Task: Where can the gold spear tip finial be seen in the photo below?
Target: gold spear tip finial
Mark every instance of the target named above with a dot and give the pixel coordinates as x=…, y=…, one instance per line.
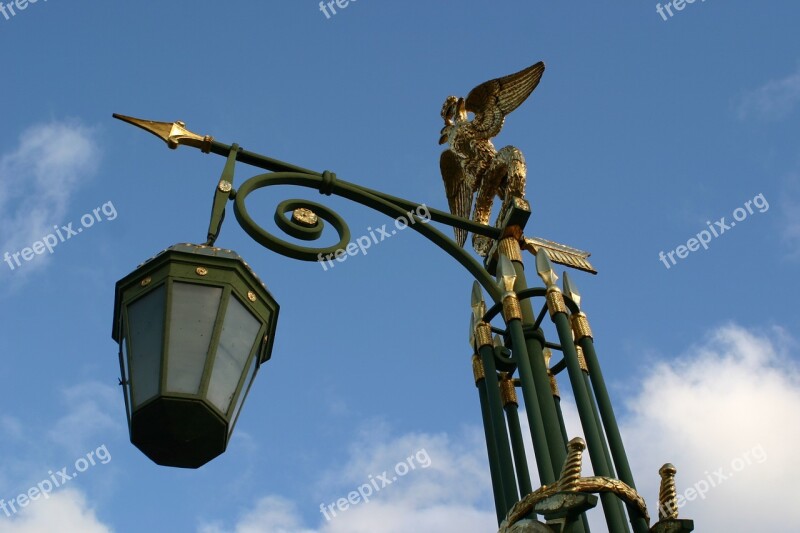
x=545, y=269
x=477, y=302
x=506, y=275
x=172, y=133
x=570, y=289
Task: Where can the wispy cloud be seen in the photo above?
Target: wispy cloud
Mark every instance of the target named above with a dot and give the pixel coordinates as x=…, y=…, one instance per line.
x=701, y=411
x=38, y=179
x=66, y=512
x=775, y=100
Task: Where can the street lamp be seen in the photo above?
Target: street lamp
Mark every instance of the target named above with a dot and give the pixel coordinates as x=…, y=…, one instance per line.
x=194, y=324
x=190, y=424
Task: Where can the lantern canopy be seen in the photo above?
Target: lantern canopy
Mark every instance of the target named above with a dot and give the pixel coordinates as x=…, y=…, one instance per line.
x=194, y=324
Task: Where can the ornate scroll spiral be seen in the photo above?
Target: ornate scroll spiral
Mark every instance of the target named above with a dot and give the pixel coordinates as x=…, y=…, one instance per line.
x=287, y=224
x=327, y=184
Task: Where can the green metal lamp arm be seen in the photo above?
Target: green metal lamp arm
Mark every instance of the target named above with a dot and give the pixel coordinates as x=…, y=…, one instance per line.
x=282, y=173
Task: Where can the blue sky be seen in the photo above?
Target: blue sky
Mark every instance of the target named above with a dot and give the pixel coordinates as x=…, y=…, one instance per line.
x=640, y=132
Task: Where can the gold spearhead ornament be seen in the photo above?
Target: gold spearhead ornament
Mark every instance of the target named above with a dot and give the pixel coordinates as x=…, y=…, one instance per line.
x=172, y=133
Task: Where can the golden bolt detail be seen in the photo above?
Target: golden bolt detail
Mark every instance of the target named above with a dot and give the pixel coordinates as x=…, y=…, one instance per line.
x=251, y=296
x=146, y=281
x=201, y=271
x=304, y=217
x=225, y=186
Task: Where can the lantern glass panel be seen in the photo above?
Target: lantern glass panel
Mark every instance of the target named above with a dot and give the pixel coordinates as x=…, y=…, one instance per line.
x=146, y=330
x=126, y=376
x=245, y=390
x=239, y=334
x=194, y=311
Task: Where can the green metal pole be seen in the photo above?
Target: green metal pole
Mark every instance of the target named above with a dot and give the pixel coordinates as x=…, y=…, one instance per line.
x=612, y=508
x=610, y=422
x=544, y=462
x=491, y=446
x=557, y=446
x=483, y=339
x=511, y=404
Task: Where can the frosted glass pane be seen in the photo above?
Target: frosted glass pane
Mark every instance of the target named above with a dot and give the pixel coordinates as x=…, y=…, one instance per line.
x=146, y=328
x=126, y=376
x=239, y=332
x=194, y=311
x=245, y=390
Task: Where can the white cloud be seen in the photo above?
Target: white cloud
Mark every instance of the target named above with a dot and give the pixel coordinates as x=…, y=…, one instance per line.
x=728, y=403
x=719, y=406
x=38, y=179
x=65, y=512
x=93, y=412
x=774, y=100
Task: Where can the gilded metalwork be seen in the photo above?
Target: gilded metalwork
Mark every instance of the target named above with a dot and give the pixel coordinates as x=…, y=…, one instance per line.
x=511, y=308
x=508, y=391
x=667, y=493
x=571, y=471
x=560, y=253
x=509, y=247
x=471, y=166
x=581, y=359
x=571, y=481
x=172, y=133
x=146, y=281
x=305, y=217
x=477, y=369
x=251, y=296
x=570, y=290
x=225, y=186
x=483, y=335
x=555, y=301
x=548, y=355
x=580, y=326
x=201, y=271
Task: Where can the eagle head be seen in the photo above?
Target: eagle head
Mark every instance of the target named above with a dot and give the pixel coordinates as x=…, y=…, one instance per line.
x=453, y=113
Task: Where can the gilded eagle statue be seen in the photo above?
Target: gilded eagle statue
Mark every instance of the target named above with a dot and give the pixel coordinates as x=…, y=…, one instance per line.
x=471, y=166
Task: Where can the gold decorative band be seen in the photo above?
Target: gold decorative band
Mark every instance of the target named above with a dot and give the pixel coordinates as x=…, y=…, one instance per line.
x=580, y=326
x=508, y=392
x=555, y=302
x=582, y=359
x=477, y=369
x=511, y=308
x=554, y=385
x=509, y=247
x=483, y=335
x=205, y=147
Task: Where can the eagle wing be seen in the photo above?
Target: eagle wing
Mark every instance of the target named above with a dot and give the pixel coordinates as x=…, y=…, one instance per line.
x=494, y=100
x=459, y=193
